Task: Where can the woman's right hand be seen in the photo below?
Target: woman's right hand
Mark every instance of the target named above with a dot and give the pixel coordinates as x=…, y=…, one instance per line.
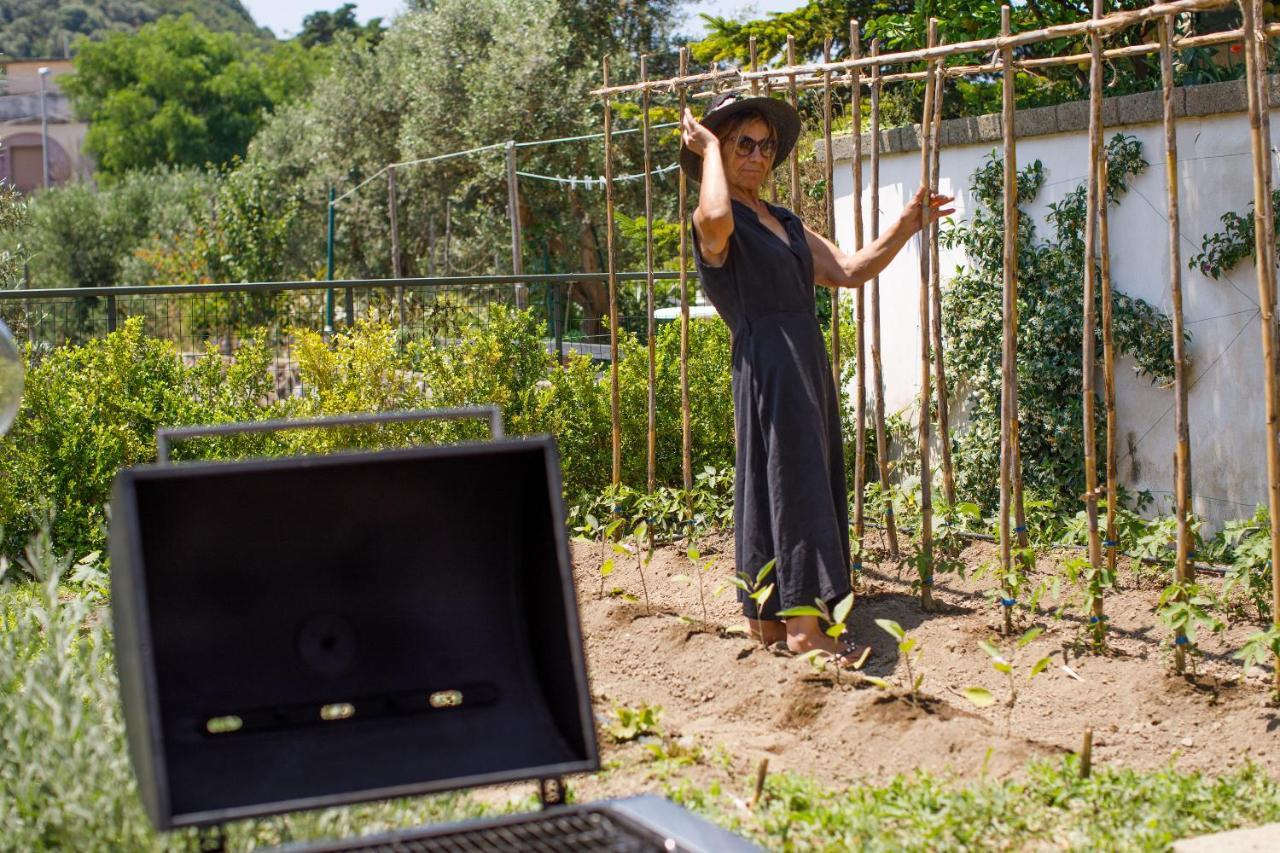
x=695, y=136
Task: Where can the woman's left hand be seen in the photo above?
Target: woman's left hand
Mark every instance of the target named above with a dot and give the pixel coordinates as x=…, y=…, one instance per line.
x=937, y=207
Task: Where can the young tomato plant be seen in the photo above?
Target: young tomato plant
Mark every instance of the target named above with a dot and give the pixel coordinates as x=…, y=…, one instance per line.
x=1256, y=651
x=1093, y=582
x=1006, y=663
x=1184, y=609
x=910, y=651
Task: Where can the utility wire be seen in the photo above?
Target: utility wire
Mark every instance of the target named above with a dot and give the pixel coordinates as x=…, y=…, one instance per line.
x=498, y=145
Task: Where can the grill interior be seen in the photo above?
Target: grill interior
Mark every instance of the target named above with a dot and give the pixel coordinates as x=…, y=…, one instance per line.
x=587, y=831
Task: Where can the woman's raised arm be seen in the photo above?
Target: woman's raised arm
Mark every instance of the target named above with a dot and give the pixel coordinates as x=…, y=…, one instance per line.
x=713, y=217
x=833, y=268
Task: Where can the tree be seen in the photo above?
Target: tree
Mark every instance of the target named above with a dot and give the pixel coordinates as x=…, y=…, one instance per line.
x=172, y=94
x=459, y=75
x=321, y=28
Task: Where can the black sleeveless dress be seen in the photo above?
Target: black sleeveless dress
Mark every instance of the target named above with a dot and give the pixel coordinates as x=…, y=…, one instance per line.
x=790, y=499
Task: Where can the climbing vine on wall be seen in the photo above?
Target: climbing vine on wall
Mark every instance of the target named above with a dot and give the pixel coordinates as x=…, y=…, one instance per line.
x=1050, y=294
x=1223, y=250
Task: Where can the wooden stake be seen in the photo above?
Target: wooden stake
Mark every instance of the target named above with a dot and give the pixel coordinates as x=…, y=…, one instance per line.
x=762, y=770
x=1007, y=364
x=935, y=293
x=831, y=214
x=882, y=441
x=615, y=411
x=1265, y=248
x=651, y=324
x=1182, y=467
x=795, y=105
x=926, y=391
x=1086, y=754
x=860, y=362
x=686, y=428
x=1088, y=337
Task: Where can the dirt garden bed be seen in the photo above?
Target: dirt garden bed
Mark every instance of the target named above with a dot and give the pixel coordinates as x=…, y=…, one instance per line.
x=734, y=702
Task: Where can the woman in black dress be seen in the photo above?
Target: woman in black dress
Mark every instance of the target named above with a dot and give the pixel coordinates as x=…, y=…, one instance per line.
x=758, y=264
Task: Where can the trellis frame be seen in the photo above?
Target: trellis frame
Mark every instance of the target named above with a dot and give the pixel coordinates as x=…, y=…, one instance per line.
x=1253, y=33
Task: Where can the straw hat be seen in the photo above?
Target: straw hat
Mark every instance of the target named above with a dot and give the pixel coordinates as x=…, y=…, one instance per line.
x=726, y=105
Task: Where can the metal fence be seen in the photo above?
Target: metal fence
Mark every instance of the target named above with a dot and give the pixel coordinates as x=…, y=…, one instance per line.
x=193, y=316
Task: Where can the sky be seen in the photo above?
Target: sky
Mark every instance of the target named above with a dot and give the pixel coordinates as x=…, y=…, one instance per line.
x=284, y=17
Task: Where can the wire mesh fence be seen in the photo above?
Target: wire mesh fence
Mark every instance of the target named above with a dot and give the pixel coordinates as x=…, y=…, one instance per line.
x=197, y=317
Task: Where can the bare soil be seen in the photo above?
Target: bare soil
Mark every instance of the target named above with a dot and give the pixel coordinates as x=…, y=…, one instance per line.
x=739, y=702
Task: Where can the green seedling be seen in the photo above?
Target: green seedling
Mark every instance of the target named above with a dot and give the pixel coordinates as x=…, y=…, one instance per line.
x=593, y=530
x=1006, y=663
x=641, y=544
x=1184, y=608
x=910, y=651
x=694, y=555
x=756, y=588
x=630, y=723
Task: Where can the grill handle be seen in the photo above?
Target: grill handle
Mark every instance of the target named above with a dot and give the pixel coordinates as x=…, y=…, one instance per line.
x=169, y=434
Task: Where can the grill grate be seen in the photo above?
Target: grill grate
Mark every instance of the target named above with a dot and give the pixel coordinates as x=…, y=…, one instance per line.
x=587, y=832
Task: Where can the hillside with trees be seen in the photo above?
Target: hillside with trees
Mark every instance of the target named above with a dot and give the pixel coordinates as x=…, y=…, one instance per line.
x=49, y=28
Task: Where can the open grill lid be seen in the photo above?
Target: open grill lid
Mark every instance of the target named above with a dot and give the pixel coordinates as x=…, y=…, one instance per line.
x=307, y=632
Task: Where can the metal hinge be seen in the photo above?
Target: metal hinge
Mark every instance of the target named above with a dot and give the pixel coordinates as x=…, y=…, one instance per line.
x=551, y=792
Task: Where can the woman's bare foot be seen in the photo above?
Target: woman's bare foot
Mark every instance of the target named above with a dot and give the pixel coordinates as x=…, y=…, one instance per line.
x=804, y=634
x=767, y=631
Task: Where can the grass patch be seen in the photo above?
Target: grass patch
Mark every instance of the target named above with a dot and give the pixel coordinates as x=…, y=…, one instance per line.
x=1050, y=808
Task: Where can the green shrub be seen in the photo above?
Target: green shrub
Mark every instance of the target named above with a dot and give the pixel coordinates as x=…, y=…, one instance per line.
x=91, y=410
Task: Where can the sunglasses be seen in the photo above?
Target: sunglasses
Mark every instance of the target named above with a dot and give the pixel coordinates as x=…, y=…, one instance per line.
x=746, y=146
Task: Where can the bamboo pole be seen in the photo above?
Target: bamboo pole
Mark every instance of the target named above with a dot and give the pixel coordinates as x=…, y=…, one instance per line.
x=1088, y=345
x=860, y=309
x=394, y=217
x=751, y=53
x=926, y=391
x=1115, y=21
x=1269, y=239
x=877, y=368
x=773, y=175
x=686, y=427
x=650, y=322
x=1008, y=366
x=795, y=105
x=1110, y=546
x=615, y=410
x=1182, y=466
x=1265, y=248
x=831, y=213
x=935, y=296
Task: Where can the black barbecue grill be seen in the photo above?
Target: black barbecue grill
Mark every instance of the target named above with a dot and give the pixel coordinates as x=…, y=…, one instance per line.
x=314, y=631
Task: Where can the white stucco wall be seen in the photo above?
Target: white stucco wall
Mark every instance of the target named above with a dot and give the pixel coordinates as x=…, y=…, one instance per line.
x=1225, y=397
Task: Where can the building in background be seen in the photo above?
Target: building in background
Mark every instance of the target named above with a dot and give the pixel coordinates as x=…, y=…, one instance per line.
x=21, y=149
